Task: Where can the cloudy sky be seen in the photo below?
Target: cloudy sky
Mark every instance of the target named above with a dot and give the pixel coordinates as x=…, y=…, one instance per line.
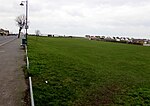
x=79, y=17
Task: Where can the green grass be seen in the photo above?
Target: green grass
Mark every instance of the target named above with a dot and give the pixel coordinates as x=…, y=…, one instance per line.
x=88, y=73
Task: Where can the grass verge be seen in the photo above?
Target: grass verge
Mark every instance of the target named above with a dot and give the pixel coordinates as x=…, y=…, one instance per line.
x=80, y=72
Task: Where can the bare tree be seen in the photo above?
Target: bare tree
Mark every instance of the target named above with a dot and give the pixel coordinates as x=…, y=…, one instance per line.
x=37, y=32
x=20, y=20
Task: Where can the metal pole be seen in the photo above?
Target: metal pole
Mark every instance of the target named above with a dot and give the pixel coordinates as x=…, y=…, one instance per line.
x=26, y=27
x=31, y=92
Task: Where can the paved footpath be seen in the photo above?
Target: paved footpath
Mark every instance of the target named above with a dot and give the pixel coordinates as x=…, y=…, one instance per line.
x=12, y=80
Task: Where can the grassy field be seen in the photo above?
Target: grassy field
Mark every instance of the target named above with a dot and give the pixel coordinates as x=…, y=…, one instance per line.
x=80, y=72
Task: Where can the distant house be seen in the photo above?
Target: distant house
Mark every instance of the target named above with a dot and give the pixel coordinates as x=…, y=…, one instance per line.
x=118, y=40
x=49, y=35
x=102, y=37
x=4, y=32
x=87, y=36
x=138, y=41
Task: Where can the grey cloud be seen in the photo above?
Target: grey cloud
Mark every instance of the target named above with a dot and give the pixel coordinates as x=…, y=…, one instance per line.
x=81, y=16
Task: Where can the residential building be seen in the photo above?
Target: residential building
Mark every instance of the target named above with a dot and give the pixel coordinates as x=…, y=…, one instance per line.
x=4, y=32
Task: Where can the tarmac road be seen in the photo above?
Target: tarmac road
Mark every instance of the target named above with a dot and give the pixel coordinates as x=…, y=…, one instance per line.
x=4, y=39
x=12, y=80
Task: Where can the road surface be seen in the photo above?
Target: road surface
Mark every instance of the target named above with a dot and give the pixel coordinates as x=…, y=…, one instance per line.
x=12, y=80
x=4, y=39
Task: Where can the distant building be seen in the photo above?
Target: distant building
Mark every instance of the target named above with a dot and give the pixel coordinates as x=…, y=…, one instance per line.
x=87, y=36
x=139, y=41
x=49, y=35
x=4, y=32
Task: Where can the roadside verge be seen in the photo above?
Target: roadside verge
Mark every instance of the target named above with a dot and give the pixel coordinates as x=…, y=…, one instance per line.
x=30, y=80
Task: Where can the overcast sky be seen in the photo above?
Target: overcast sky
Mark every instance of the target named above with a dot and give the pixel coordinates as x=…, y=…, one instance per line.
x=79, y=17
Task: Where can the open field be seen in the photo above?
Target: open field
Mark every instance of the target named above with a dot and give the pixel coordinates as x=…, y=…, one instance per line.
x=80, y=72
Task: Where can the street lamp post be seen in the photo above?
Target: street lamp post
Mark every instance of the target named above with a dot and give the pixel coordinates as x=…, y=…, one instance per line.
x=26, y=22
